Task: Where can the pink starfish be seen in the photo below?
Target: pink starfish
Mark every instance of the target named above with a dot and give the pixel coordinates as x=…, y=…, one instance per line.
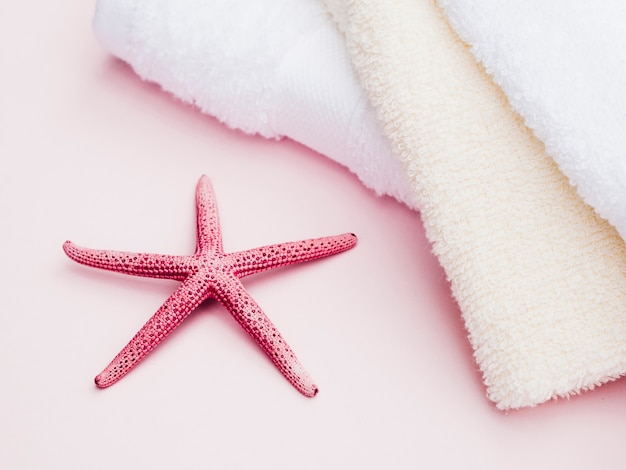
x=210, y=273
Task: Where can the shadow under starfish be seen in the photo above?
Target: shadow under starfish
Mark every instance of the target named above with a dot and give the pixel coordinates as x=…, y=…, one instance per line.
x=210, y=273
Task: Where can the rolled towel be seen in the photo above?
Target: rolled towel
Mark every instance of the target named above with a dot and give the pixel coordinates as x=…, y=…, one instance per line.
x=562, y=65
x=539, y=277
x=264, y=67
x=527, y=260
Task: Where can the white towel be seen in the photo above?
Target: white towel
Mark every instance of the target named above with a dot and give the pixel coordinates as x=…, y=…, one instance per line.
x=562, y=65
x=274, y=68
x=527, y=260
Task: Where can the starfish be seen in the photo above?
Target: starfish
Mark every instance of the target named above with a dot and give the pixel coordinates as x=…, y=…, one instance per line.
x=210, y=273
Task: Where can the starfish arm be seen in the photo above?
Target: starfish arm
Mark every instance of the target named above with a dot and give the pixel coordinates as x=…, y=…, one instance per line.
x=209, y=235
x=171, y=314
x=136, y=264
x=282, y=254
x=231, y=293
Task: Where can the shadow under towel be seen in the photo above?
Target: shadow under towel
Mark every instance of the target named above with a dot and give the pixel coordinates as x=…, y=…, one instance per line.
x=539, y=277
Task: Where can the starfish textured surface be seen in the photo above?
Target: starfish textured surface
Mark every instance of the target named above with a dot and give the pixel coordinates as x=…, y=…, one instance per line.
x=210, y=273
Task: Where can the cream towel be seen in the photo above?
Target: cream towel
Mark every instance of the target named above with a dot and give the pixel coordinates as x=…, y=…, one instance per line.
x=540, y=278
x=280, y=68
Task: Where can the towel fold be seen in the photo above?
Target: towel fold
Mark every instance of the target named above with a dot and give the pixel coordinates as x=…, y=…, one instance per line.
x=562, y=65
x=539, y=277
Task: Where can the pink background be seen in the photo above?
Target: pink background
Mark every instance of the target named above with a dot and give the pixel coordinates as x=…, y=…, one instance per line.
x=90, y=153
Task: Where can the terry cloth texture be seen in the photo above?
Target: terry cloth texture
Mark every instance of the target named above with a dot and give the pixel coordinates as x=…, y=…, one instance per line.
x=274, y=68
x=562, y=65
x=539, y=277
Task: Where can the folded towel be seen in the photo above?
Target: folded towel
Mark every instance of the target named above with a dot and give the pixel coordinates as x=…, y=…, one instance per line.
x=261, y=66
x=539, y=277
x=562, y=64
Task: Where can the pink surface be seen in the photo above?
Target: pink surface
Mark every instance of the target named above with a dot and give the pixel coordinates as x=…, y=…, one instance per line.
x=92, y=154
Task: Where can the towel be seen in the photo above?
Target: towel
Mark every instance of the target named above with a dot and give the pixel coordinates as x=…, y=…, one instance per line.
x=538, y=276
x=267, y=67
x=562, y=65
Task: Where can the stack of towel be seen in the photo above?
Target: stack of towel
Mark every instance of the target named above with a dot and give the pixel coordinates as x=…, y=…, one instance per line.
x=392, y=91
